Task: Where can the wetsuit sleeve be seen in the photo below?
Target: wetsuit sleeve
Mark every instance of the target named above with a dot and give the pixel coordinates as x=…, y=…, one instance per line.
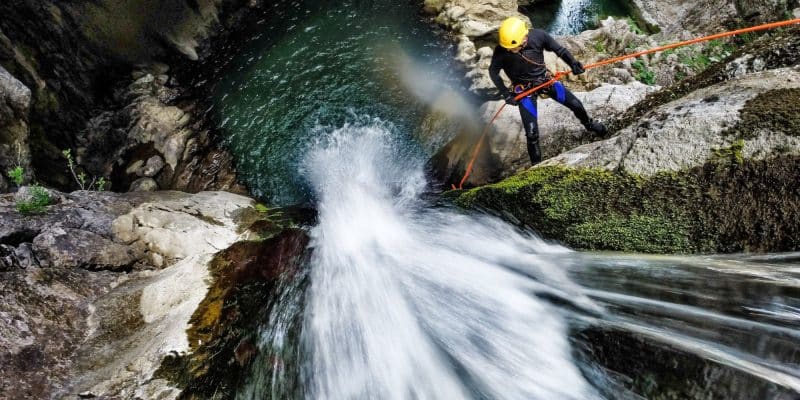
x=555, y=47
x=494, y=74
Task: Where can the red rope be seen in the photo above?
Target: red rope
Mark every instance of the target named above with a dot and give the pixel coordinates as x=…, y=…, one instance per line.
x=559, y=74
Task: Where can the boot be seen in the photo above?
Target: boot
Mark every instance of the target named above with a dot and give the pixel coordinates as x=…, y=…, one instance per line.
x=534, y=152
x=597, y=128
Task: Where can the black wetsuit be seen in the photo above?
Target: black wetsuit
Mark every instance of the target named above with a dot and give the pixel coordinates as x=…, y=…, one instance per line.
x=527, y=69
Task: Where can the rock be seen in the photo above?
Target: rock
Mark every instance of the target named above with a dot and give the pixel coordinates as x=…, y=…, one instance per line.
x=690, y=131
x=25, y=257
x=433, y=6
x=7, y=259
x=71, y=248
x=143, y=185
x=673, y=17
x=187, y=231
x=15, y=96
x=82, y=93
x=105, y=332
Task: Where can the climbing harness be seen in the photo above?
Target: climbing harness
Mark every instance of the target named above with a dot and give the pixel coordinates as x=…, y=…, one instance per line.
x=559, y=74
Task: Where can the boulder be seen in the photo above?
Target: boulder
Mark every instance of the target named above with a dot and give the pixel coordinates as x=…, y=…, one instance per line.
x=15, y=100
x=75, y=248
x=152, y=167
x=144, y=185
x=743, y=115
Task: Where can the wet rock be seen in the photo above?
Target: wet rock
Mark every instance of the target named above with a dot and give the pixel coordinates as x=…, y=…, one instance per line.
x=143, y=185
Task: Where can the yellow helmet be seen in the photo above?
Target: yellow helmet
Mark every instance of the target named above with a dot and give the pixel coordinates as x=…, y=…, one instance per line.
x=512, y=32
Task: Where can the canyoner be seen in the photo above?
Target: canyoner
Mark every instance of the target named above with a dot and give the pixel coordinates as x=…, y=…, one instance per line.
x=514, y=36
x=520, y=55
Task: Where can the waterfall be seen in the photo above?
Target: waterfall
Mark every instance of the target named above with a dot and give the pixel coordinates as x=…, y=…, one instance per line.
x=412, y=302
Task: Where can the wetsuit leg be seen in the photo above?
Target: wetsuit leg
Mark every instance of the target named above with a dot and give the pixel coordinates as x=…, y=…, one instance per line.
x=562, y=95
x=529, y=114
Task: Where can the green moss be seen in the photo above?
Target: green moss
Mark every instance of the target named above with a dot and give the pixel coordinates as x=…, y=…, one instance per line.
x=643, y=73
x=772, y=111
x=600, y=46
x=634, y=26
x=730, y=204
x=732, y=153
x=642, y=233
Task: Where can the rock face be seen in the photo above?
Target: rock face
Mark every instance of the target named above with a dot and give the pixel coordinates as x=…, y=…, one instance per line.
x=15, y=101
x=709, y=16
x=78, y=57
x=71, y=322
x=474, y=25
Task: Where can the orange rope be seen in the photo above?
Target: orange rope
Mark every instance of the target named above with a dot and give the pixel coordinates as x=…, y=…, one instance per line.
x=559, y=74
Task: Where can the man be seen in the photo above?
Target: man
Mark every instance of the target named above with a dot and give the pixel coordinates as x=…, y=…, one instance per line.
x=520, y=55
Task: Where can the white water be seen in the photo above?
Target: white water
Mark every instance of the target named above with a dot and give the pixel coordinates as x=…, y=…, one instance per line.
x=412, y=302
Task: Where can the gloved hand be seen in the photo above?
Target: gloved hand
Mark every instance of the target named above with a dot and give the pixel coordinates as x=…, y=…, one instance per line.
x=577, y=68
x=510, y=99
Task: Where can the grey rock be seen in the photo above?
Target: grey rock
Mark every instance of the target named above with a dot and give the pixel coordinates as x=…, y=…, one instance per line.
x=25, y=257
x=66, y=247
x=143, y=185
x=7, y=259
x=153, y=166
x=15, y=97
x=686, y=132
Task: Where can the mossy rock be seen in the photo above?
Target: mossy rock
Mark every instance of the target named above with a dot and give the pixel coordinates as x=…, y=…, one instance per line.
x=223, y=330
x=727, y=205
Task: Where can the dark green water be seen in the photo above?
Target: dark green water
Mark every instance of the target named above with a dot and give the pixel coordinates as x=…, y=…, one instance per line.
x=317, y=65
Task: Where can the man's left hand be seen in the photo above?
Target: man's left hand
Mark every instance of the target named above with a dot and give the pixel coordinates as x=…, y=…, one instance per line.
x=577, y=68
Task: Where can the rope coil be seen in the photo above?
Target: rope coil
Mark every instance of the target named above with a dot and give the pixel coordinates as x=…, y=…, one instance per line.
x=557, y=76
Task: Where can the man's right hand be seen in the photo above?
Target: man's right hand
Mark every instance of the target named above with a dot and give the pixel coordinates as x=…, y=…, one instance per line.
x=510, y=99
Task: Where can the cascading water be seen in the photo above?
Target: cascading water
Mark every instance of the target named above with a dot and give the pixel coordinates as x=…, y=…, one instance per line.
x=408, y=300
x=411, y=302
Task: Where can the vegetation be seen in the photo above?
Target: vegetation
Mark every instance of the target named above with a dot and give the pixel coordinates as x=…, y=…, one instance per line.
x=17, y=175
x=80, y=178
x=730, y=204
x=36, y=203
x=772, y=111
x=643, y=73
x=634, y=27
